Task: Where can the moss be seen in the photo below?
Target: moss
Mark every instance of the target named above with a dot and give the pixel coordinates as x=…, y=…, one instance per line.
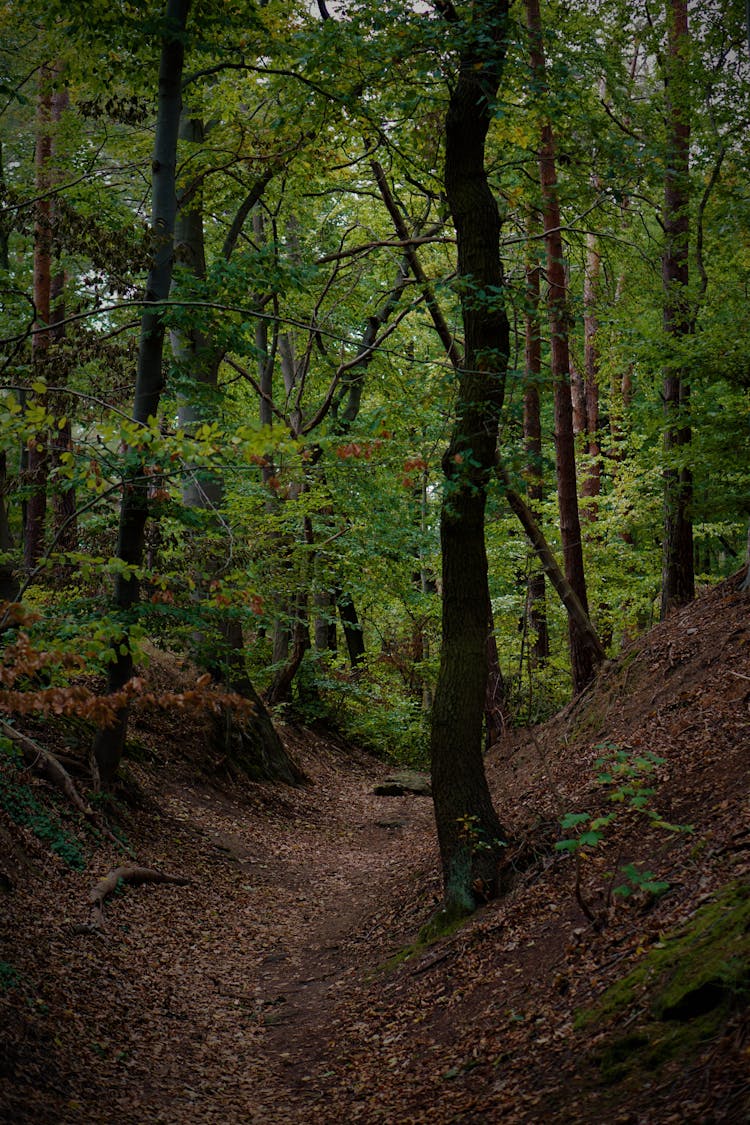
x=683, y=991
x=442, y=924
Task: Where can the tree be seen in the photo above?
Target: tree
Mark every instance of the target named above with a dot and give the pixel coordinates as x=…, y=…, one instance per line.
x=678, y=580
x=469, y=832
x=248, y=741
x=110, y=741
x=581, y=655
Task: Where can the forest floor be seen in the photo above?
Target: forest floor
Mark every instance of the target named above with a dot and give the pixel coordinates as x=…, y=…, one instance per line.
x=286, y=982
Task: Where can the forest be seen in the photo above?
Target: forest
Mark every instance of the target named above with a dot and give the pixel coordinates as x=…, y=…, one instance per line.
x=374, y=396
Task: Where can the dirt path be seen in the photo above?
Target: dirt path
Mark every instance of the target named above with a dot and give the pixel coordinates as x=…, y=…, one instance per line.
x=288, y=913
x=215, y=1002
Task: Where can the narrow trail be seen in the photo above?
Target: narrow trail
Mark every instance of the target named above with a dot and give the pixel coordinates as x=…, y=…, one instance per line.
x=309, y=900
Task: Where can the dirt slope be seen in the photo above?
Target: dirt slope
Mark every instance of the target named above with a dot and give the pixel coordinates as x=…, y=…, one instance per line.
x=262, y=991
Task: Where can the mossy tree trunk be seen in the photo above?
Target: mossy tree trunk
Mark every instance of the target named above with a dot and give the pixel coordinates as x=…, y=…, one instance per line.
x=469, y=832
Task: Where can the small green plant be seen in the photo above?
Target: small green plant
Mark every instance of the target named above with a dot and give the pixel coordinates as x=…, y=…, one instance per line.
x=22, y=807
x=627, y=778
x=475, y=837
x=9, y=977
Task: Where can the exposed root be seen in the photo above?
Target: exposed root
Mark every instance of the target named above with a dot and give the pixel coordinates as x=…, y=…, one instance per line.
x=129, y=873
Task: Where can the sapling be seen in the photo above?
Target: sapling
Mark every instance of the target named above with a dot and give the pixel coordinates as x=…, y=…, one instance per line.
x=626, y=777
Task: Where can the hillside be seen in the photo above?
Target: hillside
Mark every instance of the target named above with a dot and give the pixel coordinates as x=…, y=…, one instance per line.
x=286, y=980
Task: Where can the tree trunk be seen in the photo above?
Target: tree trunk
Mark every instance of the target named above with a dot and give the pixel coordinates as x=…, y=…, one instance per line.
x=536, y=601
x=577, y=612
x=591, y=486
x=9, y=584
x=325, y=624
x=582, y=666
x=355, y=641
x=495, y=703
x=109, y=743
x=254, y=744
x=37, y=458
x=678, y=580
x=469, y=832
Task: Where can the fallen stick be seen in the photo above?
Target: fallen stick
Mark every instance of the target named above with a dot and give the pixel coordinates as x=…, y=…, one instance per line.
x=129, y=873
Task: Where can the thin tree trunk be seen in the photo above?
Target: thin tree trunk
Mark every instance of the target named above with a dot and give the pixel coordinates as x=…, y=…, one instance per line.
x=37, y=459
x=325, y=623
x=591, y=486
x=536, y=600
x=582, y=665
x=110, y=741
x=355, y=642
x=678, y=580
x=5, y=222
x=9, y=583
x=469, y=832
x=495, y=701
x=577, y=612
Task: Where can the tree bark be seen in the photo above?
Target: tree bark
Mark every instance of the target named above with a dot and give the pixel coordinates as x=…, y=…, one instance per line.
x=355, y=641
x=582, y=665
x=678, y=580
x=37, y=456
x=591, y=486
x=536, y=600
x=577, y=612
x=469, y=833
x=109, y=742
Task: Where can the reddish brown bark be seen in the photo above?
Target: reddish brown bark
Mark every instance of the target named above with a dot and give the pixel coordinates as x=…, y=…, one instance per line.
x=536, y=602
x=591, y=485
x=678, y=581
x=582, y=664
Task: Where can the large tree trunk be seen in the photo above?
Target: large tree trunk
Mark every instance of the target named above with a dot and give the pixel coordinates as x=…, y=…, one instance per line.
x=582, y=665
x=678, y=580
x=469, y=832
x=110, y=741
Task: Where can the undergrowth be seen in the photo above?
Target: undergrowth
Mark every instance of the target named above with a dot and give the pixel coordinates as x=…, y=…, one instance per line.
x=19, y=802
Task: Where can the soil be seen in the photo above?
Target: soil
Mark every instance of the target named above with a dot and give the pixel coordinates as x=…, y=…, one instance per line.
x=287, y=981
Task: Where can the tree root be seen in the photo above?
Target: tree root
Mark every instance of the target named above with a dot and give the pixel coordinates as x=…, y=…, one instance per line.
x=129, y=873
x=45, y=762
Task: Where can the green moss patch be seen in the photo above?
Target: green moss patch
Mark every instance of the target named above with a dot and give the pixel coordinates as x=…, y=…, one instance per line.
x=681, y=994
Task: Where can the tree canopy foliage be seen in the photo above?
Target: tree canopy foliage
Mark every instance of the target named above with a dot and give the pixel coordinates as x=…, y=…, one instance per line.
x=319, y=327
